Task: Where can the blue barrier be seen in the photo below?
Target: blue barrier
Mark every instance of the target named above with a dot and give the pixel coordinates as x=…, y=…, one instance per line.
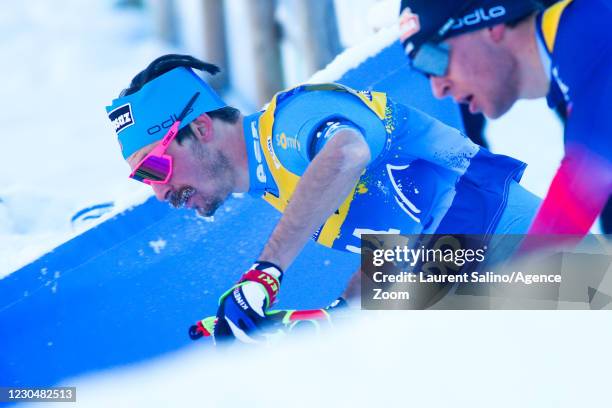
x=128, y=289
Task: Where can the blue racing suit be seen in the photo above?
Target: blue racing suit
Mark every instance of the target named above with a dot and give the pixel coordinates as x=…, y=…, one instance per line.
x=424, y=176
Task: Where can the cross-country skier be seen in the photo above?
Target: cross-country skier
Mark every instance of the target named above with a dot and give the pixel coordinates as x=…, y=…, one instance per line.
x=490, y=53
x=337, y=162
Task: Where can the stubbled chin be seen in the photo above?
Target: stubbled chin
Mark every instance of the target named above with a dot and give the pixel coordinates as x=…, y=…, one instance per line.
x=204, y=214
x=209, y=211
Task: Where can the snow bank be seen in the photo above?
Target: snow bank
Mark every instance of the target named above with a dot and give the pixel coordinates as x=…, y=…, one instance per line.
x=62, y=65
x=471, y=359
x=352, y=57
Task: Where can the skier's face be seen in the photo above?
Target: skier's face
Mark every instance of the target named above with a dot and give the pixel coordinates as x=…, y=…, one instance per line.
x=202, y=176
x=481, y=74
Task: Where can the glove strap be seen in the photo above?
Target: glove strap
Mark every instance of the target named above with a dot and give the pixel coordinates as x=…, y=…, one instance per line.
x=203, y=328
x=298, y=315
x=270, y=282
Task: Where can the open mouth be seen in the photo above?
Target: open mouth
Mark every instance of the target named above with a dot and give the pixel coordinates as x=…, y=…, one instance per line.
x=471, y=102
x=180, y=199
x=465, y=100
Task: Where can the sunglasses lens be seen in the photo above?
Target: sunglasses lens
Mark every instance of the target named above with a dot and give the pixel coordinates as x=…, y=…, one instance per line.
x=432, y=59
x=154, y=168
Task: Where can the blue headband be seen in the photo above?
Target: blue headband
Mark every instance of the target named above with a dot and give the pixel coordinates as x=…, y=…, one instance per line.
x=143, y=117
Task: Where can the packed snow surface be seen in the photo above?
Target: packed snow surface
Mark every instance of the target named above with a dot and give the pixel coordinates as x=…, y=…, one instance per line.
x=388, y=359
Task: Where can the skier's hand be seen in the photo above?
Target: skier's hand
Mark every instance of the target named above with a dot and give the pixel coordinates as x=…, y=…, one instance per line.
x=242, y=309
x=284, y=321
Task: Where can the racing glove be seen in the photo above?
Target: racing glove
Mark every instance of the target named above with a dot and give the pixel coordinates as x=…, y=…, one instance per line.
x=242, y=309
x=285, y=321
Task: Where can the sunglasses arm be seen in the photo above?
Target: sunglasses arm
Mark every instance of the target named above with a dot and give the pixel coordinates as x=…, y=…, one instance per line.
x=171, y=133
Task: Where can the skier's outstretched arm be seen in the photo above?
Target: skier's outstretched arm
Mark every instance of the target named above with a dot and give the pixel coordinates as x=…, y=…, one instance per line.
x=326, y=183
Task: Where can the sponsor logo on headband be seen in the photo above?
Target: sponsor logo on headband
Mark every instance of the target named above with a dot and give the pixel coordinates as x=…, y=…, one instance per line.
x=121, y=117
x=479, y=16
x=166, y=123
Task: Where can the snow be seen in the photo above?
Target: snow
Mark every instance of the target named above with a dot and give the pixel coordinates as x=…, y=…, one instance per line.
x=158, y=245
x=354, y=56
x=395, y=358
x=59, y=151
x=358, y=19
x=63, y=64
x=383, y=13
